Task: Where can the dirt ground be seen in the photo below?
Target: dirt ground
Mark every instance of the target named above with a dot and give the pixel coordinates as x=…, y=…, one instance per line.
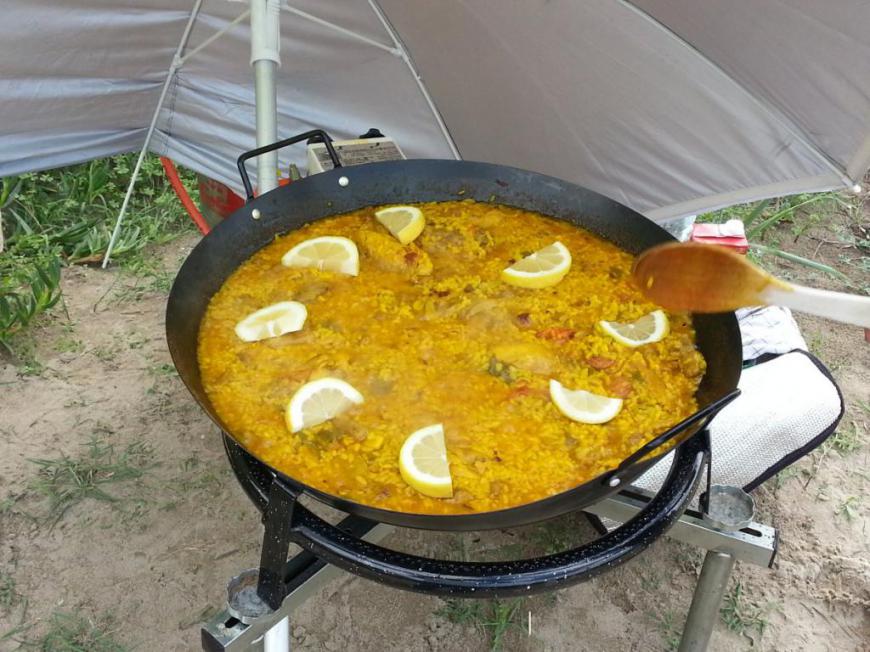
x=147, y=567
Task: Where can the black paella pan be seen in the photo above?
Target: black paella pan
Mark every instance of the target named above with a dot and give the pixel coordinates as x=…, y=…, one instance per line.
x=341, y=190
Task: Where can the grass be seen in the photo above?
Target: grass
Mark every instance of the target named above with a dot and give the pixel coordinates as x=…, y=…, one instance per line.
x=163, y=370
x=800, y=213
x=784, y=476
x=149, y=276
x=741, y=615
x=668, y=626
x=65, y=216
x=848, y=509
x=9, y=595
x=68, y=342
x=554, y=536
x=194, y=480
x=846, y=439
x=106, y=353
x=70, y=632
x=67, y=481
x=494, y=617
x=650, y=580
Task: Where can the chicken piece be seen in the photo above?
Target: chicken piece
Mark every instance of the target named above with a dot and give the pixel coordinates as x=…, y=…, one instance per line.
x=619, y=386
x=598, y=362
x=388, y=254
x=309, y=292
x=556, y=334
x=528, y=356
x=489, y=315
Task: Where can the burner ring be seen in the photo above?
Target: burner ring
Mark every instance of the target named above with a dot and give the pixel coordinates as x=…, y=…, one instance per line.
x=290, y=521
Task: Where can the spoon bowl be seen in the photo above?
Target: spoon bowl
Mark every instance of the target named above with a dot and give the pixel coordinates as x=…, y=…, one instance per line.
x=699, y=277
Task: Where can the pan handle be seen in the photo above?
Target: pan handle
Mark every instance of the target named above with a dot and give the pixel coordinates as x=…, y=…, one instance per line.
x=246, y=181
x=703, y=414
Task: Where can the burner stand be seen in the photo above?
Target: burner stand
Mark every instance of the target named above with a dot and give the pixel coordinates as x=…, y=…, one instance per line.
x=283, y=585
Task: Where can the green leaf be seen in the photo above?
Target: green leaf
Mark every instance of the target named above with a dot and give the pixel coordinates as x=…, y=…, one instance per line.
x=756, y=212
x=800, y=260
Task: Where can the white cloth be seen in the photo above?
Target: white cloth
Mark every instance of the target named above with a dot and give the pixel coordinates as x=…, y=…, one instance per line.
x=768, y=329
x=787, y=408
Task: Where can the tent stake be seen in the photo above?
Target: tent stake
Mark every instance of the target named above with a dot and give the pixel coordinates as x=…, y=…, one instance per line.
x=170, y=75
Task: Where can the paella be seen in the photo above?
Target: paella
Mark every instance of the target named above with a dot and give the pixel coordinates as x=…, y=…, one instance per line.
x=512, y=344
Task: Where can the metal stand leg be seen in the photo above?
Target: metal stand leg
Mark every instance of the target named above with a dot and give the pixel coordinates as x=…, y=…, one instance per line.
x=277, y=639
x=704, y=611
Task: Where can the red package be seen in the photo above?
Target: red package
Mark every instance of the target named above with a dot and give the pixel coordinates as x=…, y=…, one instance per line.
x=731, y=234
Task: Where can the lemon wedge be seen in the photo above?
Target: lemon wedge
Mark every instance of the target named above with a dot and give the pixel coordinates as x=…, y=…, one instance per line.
x=541, y=269
x=646, y=330
x=423, y=462
x=331, y=253
x=585, y=407
x=319, y=401
x=272, y=321
x=405, y=223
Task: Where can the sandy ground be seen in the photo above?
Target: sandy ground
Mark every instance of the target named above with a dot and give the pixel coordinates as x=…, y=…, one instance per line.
x=153, y=564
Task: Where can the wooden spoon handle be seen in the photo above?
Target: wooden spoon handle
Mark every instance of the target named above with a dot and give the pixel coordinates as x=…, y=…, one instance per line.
x=847, y=308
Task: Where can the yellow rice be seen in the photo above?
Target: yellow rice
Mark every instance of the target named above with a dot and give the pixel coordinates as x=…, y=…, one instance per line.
x=429, y=333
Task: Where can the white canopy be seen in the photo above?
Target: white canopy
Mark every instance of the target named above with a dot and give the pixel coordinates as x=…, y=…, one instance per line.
x=669, y=106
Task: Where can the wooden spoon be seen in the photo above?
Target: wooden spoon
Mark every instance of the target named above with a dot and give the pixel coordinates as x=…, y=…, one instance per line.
x=708, y=278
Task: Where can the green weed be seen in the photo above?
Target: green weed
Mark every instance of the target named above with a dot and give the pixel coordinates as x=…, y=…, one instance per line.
x=668, y=627
x=26, y=290
x=106, y=353
x=784, y=476
x=69, y=632
x=149, y=277
x=69, y=344
x=194, y=479
x=65, y=216
x=802, y=212
x=741, y=615
x=7, y=504
x=9, y=595
x=494, y=617
x=555, y=536
x=650, y=580
x=28, y=363
x=846, y=440
x=163, y=370
x=66, y=481
x=848, y=509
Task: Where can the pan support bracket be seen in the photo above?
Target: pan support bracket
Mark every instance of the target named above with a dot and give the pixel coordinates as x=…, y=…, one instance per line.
x=280, y=586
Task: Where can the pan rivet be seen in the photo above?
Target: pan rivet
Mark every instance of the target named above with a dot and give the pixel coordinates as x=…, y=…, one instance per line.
x=255, y=213
x=614, y=482
x=343, y=181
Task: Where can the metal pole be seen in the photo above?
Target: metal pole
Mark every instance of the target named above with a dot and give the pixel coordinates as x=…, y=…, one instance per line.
x=445, y=132
x=704, y=612
x=277, y=639
x=170, y=75
x=265, y=57
x=266, y=99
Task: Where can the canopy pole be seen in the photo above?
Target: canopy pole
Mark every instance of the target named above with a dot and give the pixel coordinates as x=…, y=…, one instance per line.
x=403, y=54
x=214, y=37
x=170, y=75
x=265, y=58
